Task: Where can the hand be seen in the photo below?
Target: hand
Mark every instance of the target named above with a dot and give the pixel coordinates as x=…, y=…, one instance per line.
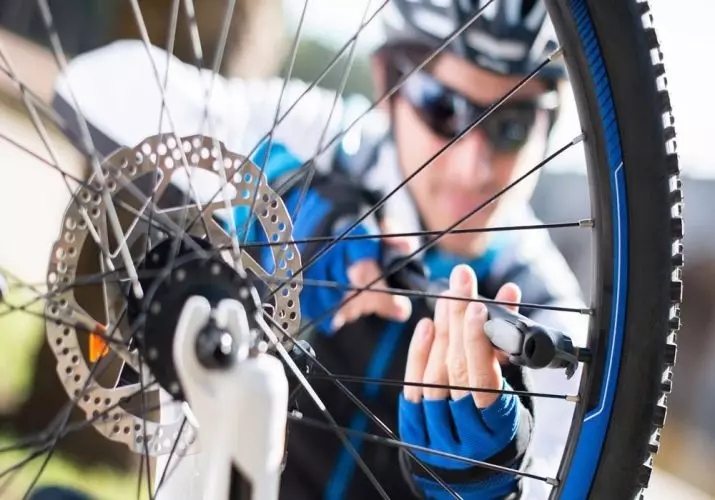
x=361, y=273
x=328, y=209
x=453, y=349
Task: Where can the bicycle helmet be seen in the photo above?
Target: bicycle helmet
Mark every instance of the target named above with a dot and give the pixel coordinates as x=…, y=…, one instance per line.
x=510, y=37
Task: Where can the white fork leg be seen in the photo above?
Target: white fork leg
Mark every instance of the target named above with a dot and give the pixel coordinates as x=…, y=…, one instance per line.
x=241, y=409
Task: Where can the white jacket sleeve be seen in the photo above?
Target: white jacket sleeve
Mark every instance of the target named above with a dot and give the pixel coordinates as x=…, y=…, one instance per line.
x=117, y=89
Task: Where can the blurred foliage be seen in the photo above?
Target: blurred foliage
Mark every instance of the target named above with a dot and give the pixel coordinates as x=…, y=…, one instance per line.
x=314, y=56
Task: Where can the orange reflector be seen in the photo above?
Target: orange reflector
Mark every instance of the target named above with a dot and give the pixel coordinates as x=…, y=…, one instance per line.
x=98, y=348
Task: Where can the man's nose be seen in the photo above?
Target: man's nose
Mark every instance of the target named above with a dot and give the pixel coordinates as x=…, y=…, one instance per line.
x=470, y=161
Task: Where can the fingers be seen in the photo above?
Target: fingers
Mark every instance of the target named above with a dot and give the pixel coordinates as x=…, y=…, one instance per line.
x=417, y=356
x=509, y=292
x=436, y=370
x=385, y=305
x=462, y=283
x=483, y=361
x=483, y=366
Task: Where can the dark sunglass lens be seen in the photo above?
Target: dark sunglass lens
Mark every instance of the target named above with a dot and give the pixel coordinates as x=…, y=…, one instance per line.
x=509, y=129
x=434, y=103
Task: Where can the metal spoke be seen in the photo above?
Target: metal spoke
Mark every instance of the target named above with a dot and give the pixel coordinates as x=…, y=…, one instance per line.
x=426, y=295
x=305, y=92
x=308, y=180
x=432, y=242
x=349, y=394
x=319, y=403
x=166, y=474
x=171, y=39
x=401, y=383
x=395, y=443
x=145, y=445
x=198, y=56
x=141, y=25
x=61, y=60
x=293, y=54
x=415, y=234
x=218, y=55
x=441, y=150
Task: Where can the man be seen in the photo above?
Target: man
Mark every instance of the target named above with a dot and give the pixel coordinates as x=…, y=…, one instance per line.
x=377, y=335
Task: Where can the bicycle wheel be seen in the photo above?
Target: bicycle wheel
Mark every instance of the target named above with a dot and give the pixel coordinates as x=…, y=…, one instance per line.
x=96, y=284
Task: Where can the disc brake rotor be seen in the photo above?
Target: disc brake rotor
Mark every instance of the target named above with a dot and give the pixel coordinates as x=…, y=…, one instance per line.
x=84, y=308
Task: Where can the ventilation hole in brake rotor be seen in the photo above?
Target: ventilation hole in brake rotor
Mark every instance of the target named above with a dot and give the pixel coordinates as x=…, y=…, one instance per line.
x=138, y=158
x=204, y=153
x=161, y=149
x=248, y=178
x=70, y=223
x=291, y=303
x=186, y=146
x=127, y=429
x=115, y=429
x=66, y=331
x=171, y=143
x=60, y=253
x=196, y=143
x=245, y=194
x=58, y=341
x=72, y=251
x=274, y=218
x=96, y=198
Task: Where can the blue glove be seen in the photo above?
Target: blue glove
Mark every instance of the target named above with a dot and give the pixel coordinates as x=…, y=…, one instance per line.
x=462, y=429
x=329, y=207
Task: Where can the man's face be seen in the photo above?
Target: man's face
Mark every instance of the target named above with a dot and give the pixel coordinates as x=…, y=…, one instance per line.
x=480, y=164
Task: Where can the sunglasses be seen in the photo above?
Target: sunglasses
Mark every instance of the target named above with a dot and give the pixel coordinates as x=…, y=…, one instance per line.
x=448, y=113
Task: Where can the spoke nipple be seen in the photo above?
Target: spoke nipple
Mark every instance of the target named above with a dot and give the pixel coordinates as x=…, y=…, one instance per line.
x=587, y=312
x=575, y=398
x=578, y=138
x=552, y=481
x=556, y=53
x=588, y=223
x=296, y=414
